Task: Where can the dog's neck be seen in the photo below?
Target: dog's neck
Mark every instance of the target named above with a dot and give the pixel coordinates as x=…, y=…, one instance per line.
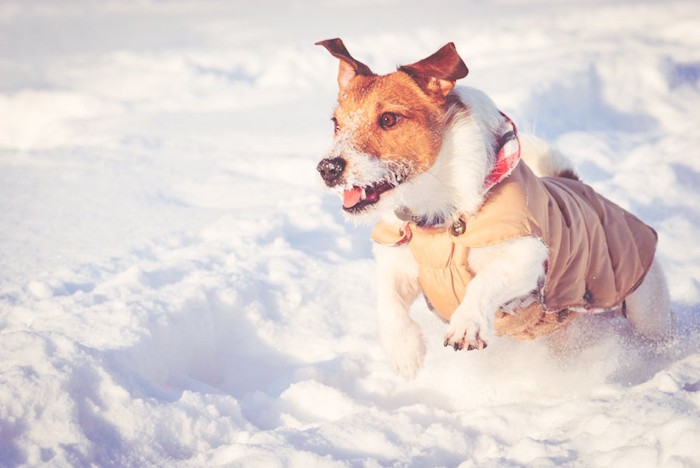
x=480, y=148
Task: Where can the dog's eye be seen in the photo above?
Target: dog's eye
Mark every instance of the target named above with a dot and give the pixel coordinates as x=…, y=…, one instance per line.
x=388, y=120
x=336, y=127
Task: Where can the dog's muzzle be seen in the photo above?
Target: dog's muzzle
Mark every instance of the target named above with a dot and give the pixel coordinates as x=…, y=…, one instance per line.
x=331, y=169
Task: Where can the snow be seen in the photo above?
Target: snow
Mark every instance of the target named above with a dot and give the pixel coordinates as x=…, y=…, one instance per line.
x=178, y=289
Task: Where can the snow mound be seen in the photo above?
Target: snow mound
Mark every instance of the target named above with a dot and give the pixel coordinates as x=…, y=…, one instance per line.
x=177, y=289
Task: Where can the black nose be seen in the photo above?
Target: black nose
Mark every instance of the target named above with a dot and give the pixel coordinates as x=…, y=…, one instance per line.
x=331, y=170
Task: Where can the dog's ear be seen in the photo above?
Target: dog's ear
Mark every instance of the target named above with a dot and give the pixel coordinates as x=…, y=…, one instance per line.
x=438, y=73
x=349, y=67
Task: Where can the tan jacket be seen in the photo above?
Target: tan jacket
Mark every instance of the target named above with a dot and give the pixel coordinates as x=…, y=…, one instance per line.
x=598, y=252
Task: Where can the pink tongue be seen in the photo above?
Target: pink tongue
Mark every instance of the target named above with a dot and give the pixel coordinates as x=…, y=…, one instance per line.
x=352, y=197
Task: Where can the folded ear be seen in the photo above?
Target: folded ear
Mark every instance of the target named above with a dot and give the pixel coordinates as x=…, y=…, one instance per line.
x=438, y=73
x=349, y=67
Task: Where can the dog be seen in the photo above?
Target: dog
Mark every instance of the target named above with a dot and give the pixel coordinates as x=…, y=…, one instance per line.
x=494, y=228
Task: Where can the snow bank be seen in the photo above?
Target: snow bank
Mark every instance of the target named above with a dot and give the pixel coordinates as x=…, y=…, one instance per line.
x=177, y=288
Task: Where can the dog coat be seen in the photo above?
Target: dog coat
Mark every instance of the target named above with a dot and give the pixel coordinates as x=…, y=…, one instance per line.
x=598, y=252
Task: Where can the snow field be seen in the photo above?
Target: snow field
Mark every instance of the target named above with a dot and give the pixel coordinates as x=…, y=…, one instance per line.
x=177, y=289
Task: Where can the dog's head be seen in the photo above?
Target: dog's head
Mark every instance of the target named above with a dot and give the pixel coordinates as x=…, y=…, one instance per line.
x=388, y=128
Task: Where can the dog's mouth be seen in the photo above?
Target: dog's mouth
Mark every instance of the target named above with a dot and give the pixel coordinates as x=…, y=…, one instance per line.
x=357, y=199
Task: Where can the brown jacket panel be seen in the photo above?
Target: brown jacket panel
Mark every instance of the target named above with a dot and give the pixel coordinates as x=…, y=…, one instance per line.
x=598, y=252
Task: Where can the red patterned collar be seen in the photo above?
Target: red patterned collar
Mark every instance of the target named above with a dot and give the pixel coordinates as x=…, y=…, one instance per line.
x=508, y=154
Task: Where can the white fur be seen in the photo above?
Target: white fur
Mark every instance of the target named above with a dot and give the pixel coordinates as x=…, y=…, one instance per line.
x=503, y=272
x=544, y=160
x=362, y=168
x=397, y=288
x=467, y=155
x=649, y=306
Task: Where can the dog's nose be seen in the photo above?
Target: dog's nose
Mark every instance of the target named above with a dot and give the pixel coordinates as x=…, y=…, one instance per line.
x=331, y=169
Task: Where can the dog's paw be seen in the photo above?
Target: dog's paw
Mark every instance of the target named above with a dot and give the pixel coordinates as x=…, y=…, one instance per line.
x=465, y=333
x=405, y=348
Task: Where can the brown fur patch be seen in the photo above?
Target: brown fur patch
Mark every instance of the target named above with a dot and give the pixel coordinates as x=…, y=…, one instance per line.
x=569, y=174
x=416, y=138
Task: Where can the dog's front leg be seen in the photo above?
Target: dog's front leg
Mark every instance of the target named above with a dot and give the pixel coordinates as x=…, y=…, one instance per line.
x=397, y=288
x=504, y=272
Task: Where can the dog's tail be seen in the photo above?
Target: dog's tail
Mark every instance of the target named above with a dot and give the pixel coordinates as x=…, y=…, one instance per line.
x=544, y=160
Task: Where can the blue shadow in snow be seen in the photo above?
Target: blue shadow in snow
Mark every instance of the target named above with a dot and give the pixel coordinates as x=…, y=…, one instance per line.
x=579, y=105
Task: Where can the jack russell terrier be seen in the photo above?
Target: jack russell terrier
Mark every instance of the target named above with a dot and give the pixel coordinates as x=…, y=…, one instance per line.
x=495, y=229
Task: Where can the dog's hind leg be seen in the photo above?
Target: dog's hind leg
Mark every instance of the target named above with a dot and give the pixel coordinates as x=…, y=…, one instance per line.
x=397, y=289
x=649, y=306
